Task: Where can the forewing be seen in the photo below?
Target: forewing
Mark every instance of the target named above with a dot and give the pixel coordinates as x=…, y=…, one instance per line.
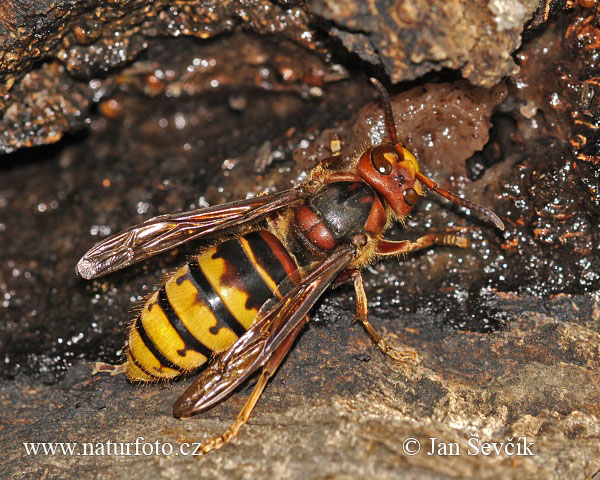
x=255, y=347
x=168, y=231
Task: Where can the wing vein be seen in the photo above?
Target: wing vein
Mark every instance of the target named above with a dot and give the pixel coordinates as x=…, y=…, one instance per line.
x=168, y=231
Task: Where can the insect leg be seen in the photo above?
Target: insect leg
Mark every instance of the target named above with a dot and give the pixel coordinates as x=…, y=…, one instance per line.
x=362, y=315
x=267, y=372
x=102, y=367
x=389, y=247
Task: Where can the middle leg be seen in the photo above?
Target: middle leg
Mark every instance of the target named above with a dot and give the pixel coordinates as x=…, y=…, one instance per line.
x=362, y=315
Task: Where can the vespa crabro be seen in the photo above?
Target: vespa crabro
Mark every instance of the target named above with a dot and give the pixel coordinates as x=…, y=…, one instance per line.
x=241, y=302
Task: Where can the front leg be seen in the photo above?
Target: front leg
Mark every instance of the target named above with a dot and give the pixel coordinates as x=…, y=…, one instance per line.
x=362, y=315
x=389, y=247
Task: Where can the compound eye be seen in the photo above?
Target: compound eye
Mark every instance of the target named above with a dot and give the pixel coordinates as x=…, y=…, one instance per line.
x=382, y=157
x=411, y=197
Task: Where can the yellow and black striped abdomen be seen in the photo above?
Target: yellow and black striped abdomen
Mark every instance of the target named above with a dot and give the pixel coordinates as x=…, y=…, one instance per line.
x=206, y=306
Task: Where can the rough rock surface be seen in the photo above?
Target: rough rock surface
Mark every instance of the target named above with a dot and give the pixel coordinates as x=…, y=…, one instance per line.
x=412, y=38
x=338, y=409
x=407, y=39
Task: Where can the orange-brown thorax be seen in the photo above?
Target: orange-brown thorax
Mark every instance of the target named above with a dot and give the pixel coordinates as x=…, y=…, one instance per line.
x=343, y=208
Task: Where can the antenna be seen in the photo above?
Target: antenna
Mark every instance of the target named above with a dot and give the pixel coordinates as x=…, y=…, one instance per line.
x=463, y=202
x=387, y=109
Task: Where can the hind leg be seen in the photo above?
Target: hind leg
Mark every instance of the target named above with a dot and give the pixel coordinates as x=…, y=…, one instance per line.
x=268, y=370
x=102, y=367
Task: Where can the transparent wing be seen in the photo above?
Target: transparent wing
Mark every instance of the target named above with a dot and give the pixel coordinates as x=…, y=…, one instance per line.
x=168, y=231
x=254, y=348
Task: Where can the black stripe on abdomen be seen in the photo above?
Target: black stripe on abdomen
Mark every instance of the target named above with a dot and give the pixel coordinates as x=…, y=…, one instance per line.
x=241, y=274
x=211, y=298
x=189, y=340
x=162, y=359
x=266, y=258
x=137, y=363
